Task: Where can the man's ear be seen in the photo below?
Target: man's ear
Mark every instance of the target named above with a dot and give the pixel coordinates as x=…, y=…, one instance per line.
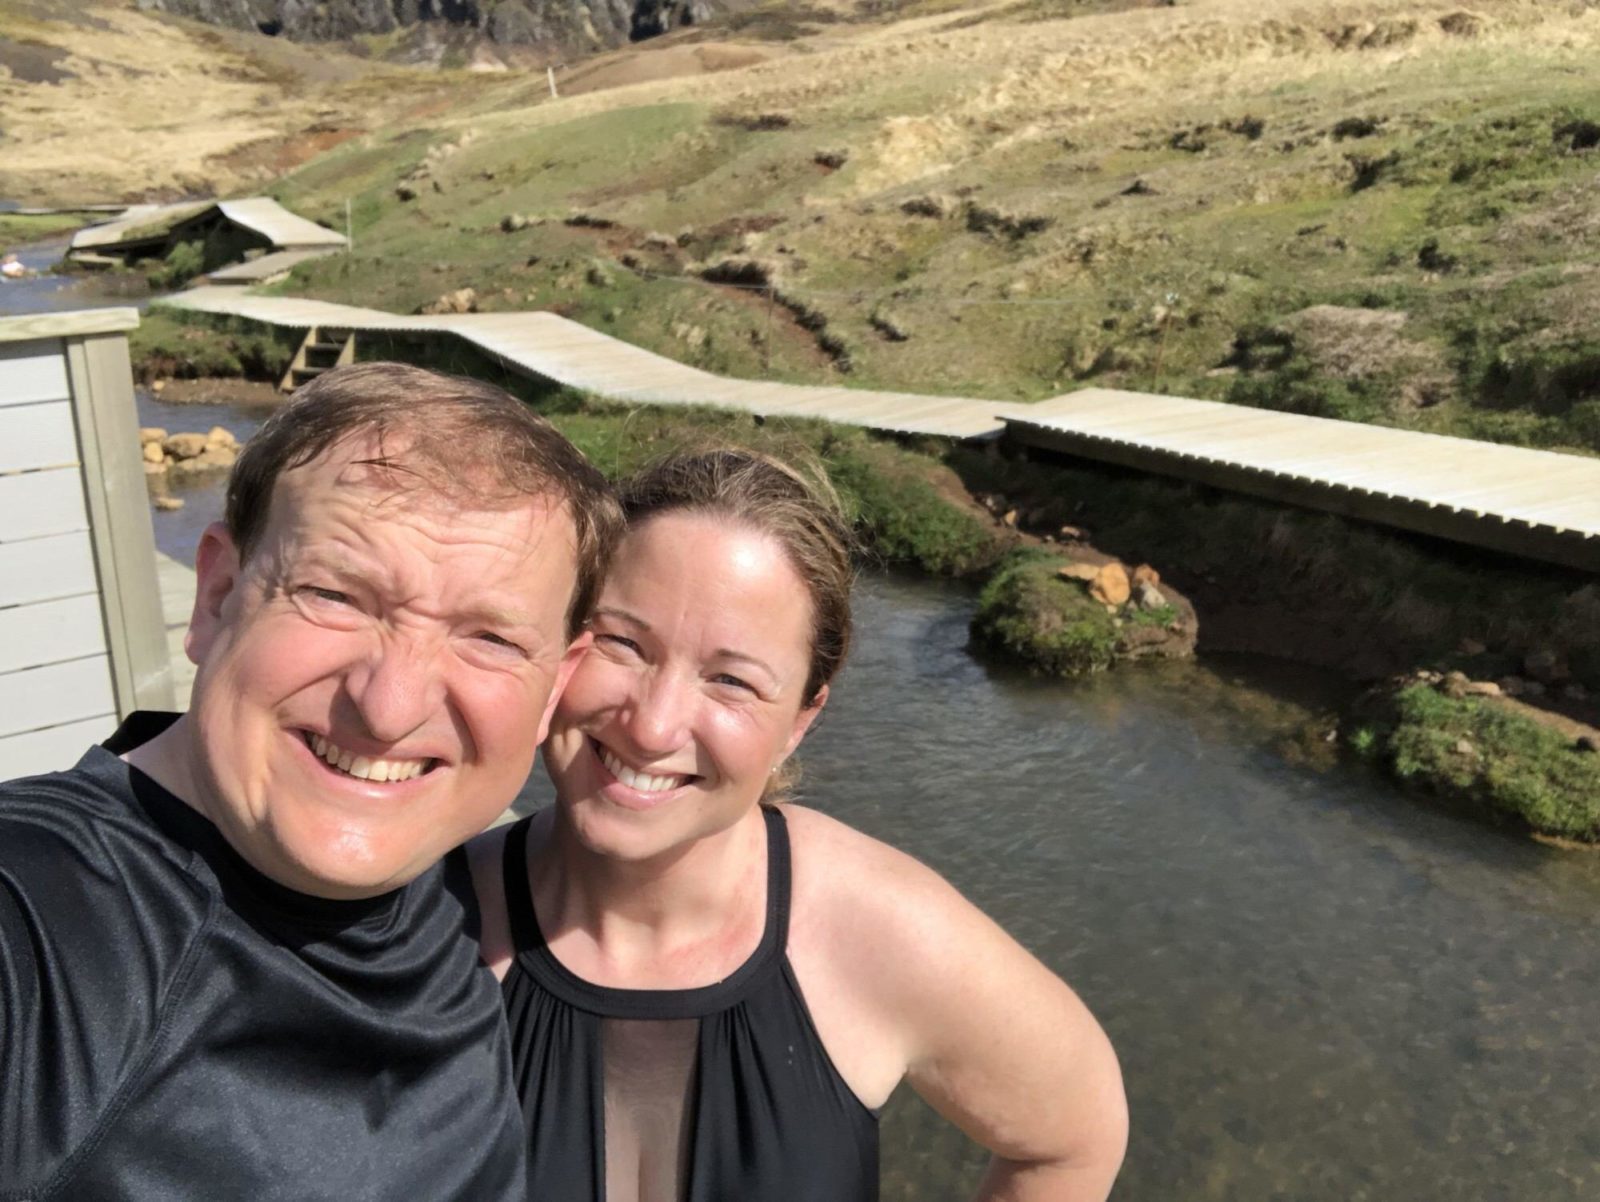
x=803, y=721
x=576, y=650
x=216, y=568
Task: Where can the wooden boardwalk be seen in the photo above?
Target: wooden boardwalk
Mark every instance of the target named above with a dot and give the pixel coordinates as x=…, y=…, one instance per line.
x=1538, y=504
x=545, y=346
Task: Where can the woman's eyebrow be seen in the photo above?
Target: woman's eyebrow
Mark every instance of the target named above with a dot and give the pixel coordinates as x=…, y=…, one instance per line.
x=745, y=658
x=632, y=619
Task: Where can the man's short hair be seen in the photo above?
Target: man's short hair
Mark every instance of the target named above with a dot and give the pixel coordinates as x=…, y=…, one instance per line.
x=462, y=439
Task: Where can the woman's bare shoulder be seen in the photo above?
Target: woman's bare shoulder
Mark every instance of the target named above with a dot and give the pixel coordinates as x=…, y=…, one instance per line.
x=871, y=895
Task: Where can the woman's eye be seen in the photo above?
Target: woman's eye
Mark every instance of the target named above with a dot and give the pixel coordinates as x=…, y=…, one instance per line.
x=327, y=594
x=617, y=641
x=733, y=681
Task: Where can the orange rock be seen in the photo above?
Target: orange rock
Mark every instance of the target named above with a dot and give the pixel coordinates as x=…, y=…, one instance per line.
x=1111, y=586
x=1085, y=572
x=1145, y=574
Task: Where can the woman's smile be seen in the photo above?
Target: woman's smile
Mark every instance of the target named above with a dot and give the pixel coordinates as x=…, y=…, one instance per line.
x=634, y=788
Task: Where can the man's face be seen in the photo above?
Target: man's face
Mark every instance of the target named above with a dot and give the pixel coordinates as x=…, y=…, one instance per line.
x=374, y=678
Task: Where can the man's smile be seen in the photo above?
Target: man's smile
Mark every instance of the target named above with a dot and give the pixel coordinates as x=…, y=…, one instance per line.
x=365, y=767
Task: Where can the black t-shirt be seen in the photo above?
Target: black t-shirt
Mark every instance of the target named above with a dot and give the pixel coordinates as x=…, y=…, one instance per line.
x=174, y=1025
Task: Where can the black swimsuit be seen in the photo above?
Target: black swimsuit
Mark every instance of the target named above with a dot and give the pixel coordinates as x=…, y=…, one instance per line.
x=722, y=1093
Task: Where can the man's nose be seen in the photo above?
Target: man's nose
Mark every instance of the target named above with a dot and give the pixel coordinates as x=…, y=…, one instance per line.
x=396, y=688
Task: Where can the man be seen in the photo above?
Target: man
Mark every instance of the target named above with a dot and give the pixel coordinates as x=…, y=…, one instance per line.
x=231, y=963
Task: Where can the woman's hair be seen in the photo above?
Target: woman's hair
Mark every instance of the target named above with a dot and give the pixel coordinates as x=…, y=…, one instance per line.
x=796, y=507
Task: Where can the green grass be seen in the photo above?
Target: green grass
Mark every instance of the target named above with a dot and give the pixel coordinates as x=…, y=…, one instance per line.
x=192, y=347
x=1474, y=226
x=1506, y=765
x=19, y=231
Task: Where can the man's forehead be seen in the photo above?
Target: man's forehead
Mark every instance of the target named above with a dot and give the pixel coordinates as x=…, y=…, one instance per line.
x=385, y=475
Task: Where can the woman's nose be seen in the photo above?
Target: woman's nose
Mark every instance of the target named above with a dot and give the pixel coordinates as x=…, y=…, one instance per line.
x=659, y=716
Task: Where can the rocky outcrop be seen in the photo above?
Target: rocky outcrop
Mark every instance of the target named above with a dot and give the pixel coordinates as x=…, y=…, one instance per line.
x=549, y=23
x=176, y=456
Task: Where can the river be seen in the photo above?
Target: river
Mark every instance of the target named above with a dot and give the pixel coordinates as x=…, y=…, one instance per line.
x=1321, y=990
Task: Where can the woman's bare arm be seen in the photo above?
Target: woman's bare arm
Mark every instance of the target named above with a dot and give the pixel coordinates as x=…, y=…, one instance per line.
x=914, y=980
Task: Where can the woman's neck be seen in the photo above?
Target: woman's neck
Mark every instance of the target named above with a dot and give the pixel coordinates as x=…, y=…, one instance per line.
x=658, y=923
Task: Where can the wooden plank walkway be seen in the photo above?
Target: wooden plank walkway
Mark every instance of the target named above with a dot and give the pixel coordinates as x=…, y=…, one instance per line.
x=177, y=583
x=1524, y=502
x=1538, y=504
x=548, y=347
x=267, y=267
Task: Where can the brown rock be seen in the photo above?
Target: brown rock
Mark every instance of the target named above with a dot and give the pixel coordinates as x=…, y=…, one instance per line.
x=1111, y=586
x=217, y=436
x=1148, y=596
x=155, y=469
x=1482, y=688
x=185, y=446
x=462, y=300
x=152, y=434
x=165, y=502
x=1465, y=747
x=215, y=460
x=1145, y=574
x=153, y=453
x=1010, y=518
x=1470, y=647
x=1073, y=534
x=1086, y=572
x=1455, y=684
x=158, y=385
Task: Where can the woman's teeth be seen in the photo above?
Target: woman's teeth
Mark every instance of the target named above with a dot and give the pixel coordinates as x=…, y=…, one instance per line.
x=638, y=780
x=365, y=767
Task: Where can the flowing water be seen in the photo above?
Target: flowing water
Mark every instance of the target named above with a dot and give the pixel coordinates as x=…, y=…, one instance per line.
x=1321, y=990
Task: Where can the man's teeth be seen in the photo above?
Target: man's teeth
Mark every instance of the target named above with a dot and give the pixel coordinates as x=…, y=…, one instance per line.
x=366, y=767
x=638, y=780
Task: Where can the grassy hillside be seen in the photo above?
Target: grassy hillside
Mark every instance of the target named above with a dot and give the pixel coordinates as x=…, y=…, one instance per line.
x=1381, y=211
x=1374, y=209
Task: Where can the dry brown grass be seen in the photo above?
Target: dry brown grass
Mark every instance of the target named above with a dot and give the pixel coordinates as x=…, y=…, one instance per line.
x=148, y=107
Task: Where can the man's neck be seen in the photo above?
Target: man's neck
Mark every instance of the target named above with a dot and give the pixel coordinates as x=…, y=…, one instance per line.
x=166, y=759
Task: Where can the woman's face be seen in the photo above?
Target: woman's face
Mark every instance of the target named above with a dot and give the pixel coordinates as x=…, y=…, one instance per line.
x=692, y=692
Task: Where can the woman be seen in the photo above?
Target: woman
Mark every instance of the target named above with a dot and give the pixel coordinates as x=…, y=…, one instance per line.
x=710, y=996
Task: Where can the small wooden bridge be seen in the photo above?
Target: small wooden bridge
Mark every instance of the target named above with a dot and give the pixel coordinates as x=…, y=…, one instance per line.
x=1536, y=504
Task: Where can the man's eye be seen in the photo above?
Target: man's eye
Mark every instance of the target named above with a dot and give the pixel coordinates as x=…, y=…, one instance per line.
x=496, y=640
x=327, y=594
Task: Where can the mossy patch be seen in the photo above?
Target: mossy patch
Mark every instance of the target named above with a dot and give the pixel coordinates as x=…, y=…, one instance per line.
x=1477, y=752
x=1029, y=612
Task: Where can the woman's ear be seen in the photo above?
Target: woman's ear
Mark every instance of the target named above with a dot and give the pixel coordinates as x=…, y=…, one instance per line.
x=216, y=569
x=803, y=721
